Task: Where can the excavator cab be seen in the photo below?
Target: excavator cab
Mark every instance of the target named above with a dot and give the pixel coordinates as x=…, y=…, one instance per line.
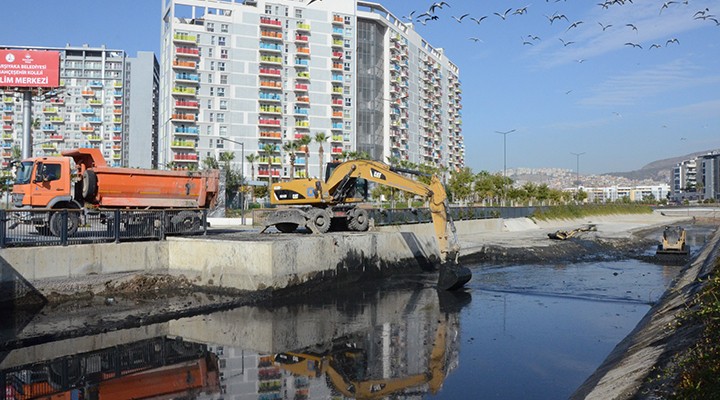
x=359, y=189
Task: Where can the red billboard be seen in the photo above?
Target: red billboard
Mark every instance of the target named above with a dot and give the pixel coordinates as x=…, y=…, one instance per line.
x=29, y=68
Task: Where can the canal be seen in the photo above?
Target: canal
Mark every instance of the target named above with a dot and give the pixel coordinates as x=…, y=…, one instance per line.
x=517, y=332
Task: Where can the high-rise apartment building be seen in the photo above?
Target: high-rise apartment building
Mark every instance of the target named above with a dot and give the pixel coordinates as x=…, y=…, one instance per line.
x=266, y=73
x=89, y=109
x=143, y=87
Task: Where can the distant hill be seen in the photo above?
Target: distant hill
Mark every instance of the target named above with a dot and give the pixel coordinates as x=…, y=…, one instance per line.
x=659, y=170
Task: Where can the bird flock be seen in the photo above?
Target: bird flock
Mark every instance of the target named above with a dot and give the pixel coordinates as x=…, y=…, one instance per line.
x=440, y=10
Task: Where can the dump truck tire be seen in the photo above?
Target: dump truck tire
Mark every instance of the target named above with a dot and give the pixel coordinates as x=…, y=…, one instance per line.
x=73, y=223
x=89, y=185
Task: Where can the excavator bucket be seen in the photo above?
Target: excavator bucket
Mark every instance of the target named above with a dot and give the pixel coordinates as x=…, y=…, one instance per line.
x=453, y=276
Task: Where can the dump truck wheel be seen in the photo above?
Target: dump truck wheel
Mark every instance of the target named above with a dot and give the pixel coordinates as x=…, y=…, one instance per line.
x=43, y=230
x=73, y=223
x=89, y=185
x=286, y=227
x=359, y=221
x=319, y=220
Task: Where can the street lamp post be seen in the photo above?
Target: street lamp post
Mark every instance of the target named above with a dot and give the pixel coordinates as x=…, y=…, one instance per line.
x=577, y=168
x=504, y=159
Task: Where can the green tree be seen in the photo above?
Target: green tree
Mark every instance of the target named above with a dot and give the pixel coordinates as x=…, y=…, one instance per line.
x=460, y=186
x=210, y=163
x=304, y=143
x=290, y=148
x=251, y=158
x=269, y=149
x=320, y=138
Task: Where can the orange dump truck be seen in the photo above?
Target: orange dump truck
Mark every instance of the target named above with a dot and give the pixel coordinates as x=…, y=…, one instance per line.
x=81, y=180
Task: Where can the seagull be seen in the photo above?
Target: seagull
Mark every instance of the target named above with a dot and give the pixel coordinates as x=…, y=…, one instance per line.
x=604, y=26
x=474, y=39
x=527, y=42
x=409, y=17
x=633, y=44
x=568, y=92
x=503, y=15
x=573, y=25
x=618, y=114
x=534, y=37
x=478, y=20
x=438, y=5
x=666, y=4
x=459, y=19
x=654, y=45
x=632, y=26
x=521, y=11
x=673, y=40
x=565, y=43
x=580, y=61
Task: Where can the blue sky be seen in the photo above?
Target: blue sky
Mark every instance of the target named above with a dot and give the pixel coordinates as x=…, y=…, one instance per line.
x=621, y=105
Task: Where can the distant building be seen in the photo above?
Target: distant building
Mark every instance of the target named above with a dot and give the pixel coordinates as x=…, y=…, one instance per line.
x=684, y=181
x=91, y=108
x=141, y=137
x=265, y=73
x=709, y=167
x=610, y=194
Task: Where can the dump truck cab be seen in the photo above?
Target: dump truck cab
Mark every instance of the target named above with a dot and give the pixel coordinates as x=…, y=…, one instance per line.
x=44, y=182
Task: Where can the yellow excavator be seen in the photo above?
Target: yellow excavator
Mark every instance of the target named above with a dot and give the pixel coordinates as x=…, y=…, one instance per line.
x=318, y=205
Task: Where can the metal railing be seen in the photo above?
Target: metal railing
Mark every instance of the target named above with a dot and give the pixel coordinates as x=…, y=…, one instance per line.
x=64, y=227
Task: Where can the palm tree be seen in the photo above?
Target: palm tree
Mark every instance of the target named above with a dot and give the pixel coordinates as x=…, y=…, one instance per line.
x=291, y=147
x=251, y=158
x=305, y=140
x=269, y=149
x=320, y=138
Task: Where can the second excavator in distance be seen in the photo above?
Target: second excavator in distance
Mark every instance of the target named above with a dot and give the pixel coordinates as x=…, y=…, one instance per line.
x=319, y=205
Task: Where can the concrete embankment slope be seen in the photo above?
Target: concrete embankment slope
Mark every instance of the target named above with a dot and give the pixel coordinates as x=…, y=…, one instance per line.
x=656, y=339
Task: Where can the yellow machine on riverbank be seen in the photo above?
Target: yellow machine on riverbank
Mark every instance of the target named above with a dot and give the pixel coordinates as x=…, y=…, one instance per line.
x=673, y=242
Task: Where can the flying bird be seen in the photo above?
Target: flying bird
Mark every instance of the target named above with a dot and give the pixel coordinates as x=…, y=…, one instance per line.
x=503, y=15
x=632, y=26
x=604, y=26
x=573, y=25
x=527, y=42
x=534, y=37
x=521, y=11
x=312, y=1
x=474, y=39
x=409, y=17
x=673, y=40
x=665, y=5
x=654, y=45
x=565, y=44
x=438, y=5
x=633, y=44
x=460, y=18
x=580, y=61
x=478, y=20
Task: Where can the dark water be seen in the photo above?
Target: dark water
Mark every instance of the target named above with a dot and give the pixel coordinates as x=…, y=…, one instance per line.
x=517, y=332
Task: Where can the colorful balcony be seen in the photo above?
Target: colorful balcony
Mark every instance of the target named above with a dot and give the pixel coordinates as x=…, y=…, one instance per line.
x=187, y=52
x=7, y=136
x=7, y=118
x=302, y=27
x=56, y=120
x=301, y=87
x=266, y=96
x=183, y=144
x=8, y=100
x=87, y=111
x=274, y=85
x=272, y=35
x=117, y=111
x=50, y=110
x=94, y=138
x=95, y=102
x=177, y=64
x=336, y=30
x=94, y=120
x=185, y=157
x=272, y=47
x=184, y=38
x=304, y=75
x=271, y=135
x=337, y=19
x=183, y=117
x=184, y=91
x=302, y=99
x=87, y=129
x=185, y=77
x=270, y=71
x=303, y=51
x=186, y=104
x=88, y=93
x=117, y=138
x=268, y=109
x=275, y=23
x=269, y=122
x=7, y=128
x=271, y=59
x=186, y=130
x=48, y=128
x=302, y=38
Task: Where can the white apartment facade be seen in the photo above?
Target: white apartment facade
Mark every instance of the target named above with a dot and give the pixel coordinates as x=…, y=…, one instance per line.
x=265, y=73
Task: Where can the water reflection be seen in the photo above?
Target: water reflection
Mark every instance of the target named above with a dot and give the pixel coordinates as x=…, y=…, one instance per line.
x=371, y=343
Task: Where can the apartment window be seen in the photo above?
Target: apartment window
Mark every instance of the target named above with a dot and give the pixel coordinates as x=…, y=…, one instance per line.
x=224, y=28
x=212, y=40
x=220, y=117
x=348, y=125
x=223, y=53
x=221, y=92
x=210, y=52
x=221, y=40
x=210, y=27
x=348, y=55
x=268, y=9
x=212, y=65
x=298, y=13
x=211, y=118
x=348, y=102
x=209, y=103
x=348, y=31
x=223, y=104
x=223, y=133
x=347, y=20
x=347, y=43
x=208, y=130
x=346, y=66
x=212, y=91
x=223, y=79
x=209, y=78
x=221, y=66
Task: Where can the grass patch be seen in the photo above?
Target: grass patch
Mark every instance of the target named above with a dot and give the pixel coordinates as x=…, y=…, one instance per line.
x=698, y=371
x=582, y=211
